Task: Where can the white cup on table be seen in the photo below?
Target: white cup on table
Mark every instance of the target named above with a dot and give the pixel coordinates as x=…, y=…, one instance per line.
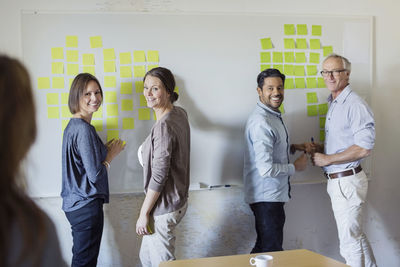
x=262, y=261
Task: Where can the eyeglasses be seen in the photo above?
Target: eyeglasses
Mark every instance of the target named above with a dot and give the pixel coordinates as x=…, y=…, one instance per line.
x=335, y=73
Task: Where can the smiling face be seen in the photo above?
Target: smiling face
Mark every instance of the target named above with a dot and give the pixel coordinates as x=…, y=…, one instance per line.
x=336, y=81
x=90, y=100
x=155, y=93
x=272, y=92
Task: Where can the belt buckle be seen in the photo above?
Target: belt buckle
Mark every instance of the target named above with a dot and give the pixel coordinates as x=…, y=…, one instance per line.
x=327, y=176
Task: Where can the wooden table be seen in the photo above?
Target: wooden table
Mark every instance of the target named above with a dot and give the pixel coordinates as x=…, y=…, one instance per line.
x=287, y=258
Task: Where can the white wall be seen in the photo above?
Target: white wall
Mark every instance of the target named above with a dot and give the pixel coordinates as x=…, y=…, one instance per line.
x=218, y=223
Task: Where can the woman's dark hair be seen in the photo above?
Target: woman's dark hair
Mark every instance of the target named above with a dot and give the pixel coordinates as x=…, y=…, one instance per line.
x=167, y=78
x=78, y=86
x=269, y=73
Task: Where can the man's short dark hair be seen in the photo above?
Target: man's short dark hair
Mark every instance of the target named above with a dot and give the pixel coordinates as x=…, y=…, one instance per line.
x=269, y=73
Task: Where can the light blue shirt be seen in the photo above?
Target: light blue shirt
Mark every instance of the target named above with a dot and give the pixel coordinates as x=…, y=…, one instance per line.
x=349, y=122
x=266, y=158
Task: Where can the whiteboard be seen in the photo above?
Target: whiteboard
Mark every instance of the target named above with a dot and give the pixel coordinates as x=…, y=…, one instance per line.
x=215, y=59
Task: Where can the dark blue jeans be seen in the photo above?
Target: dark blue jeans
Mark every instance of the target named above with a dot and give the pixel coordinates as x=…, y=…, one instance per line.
x=269, y=219
x=87, y=229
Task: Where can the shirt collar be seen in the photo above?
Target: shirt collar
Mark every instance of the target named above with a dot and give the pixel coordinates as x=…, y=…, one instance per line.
x=341, y=98
x=261, y=105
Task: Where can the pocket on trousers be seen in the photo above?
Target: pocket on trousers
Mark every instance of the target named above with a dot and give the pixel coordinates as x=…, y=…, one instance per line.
x=353, y=189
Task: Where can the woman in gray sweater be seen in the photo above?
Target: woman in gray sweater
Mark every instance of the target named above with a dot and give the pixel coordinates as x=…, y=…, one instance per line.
x=166, y=167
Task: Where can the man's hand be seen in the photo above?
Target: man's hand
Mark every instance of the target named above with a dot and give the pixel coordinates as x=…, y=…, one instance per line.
x=320, y=159
x=301, y=162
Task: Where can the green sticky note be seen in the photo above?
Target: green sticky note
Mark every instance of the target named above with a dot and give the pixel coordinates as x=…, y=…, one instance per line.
x=57, y=53
x=57, y=68
x=289, y=43
x=300, y=83
x=301, y=43
x=288, y=70
x=314, y=58
x=264, y=67
x=112, y=110
x=128, y=123
x=52, y=98
x=126, y=88
x=108, y=54
x=139, y=71
x=282, y=109
x=64, y=124
x=98, y=124
x=96, y=42
x=139, y=56
x=125, y=58
x=65, y=112
x=58, y=83
x=322, y=122
x=277, y=57
x=98, y=113
x=316, y=30
x=312, y=98
x=110, y=97
x=72, y=55
x=112, y=134
x=126, y=104
x=312, y=110
x=311, y=82
x=315, y=44
x=71, y=41
x=300, y=57
x=278, y=67
x=152, y=56
x=321, y=82
x=72, y=69
x=289, y=29
x=289, y=57
x=125, y=71
x=299, y=70
x=139, y=87
x=43, y=83
x=265, y=57
x=144, y=114
x=88, y=59
x=323, y=109
x=53, y=112
x=289, y=83
x=176, y=90
x=327, y=50
x=143, y=102
x=321, y=135
x=64, y=98
x=302, y=29
x=312, y=70
x=112, y=123
x=109, y=66
x=150, y=67
x=89, y=69
x=110, y=81
x=266, y=43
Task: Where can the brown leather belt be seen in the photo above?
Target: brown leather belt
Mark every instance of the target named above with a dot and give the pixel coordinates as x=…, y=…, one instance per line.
x=335, y=175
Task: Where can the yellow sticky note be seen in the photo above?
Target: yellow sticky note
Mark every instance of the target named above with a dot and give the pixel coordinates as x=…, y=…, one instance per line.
x=57, y=53
x=302, y=29
x=89, y=69
x=282, y=109
x=110, y=97
x=321, y=135
x=88, y=59
x=128, y=123
x=64, y=98
x=288, y=70
x=126, y=104
x=176, y=90
x=316, y=30
x=278, y=67
x=315, y=44
x=126, y=88
x=125, y=71
x=139, y=87
x=72, y=56
x=300, y=57
x=57, y=68
x=152, y=56
x=300, y=83
x=139, y=56
x=112, y=110
x=277, y=57
x=109, y=66
x=112, y=134
x=72, y=69
x=299, y=70
x=98, y=125
x=289, y=57
x=265, y=57
x=53, y=112
x=96, y=42
x=71, y=41
x=52, y=98
x=125, y=58
x=312, y=70
x=321, y=82
x=264, y=67
x=58, y=83
x=322, y=122
x=312, y=98
x=139, y=71
x=312, y=110
x=266, y=43
x=108, y=54
x=289, y=29
x=289, y=43
x=65, y=112
x=98, y=113
x=43, y=83
x=110, y=81
x=150, y=67
x=144, y=114
x=112, y=123
x=314, y=58
x=311, y=82
x=289, y=83
x=323, y=109
x=143, y=102
x=301, y=43
x=327, y=50
x=64, y=124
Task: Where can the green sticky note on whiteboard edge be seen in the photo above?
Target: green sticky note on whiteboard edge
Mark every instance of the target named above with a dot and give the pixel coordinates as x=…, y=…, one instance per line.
x=289, y=29
x=323, y=109
x=302, y=29
x=289, y=84
x=312, y=98
x=322, y=122
x=327, y=50
x=265, y=57
x=266, y=43
x=312, y=110
x=300, y=83
x=316, y=30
